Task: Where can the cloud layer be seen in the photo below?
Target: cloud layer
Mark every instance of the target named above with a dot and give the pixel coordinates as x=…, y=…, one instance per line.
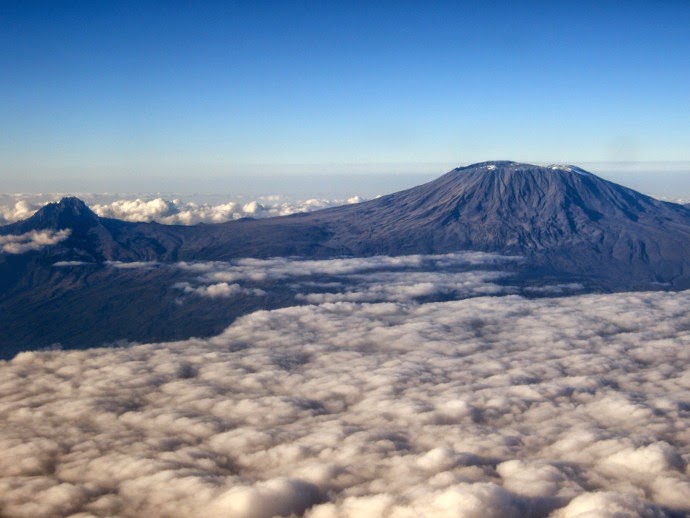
x=34, y=240
x=171, y=211
x=360, y=279
x=189, y=213
x=492, y=406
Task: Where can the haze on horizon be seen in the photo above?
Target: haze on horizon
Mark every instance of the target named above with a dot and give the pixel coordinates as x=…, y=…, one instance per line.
x=142, y=97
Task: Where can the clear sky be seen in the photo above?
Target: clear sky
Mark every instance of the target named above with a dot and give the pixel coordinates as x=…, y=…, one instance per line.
x=156, y=92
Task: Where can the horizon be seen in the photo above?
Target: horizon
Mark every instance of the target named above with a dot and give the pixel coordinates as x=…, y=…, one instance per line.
x=666, y=180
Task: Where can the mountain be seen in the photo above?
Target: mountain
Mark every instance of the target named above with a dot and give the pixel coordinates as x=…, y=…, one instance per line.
x=567, y=223
x=561, y=217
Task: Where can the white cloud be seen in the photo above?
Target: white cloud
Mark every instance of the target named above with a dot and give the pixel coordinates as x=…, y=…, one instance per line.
x=366, y=279
x=130, y=265
x=409, y=286
x=362, y=279
x=18, y=209
x=71, y=263
x=608, y=505
x=175, y=210
x=555, y=289
x=34, y=240
x=218, y=290
x=491, y=406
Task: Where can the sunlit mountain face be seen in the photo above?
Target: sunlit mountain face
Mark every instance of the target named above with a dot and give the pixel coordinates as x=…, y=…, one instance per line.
x=506, y=340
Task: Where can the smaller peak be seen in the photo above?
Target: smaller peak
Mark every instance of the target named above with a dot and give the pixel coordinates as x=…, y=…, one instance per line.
x=68, y=205
x=68, y=212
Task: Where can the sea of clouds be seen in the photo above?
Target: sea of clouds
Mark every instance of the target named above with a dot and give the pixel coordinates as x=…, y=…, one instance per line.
x=171, y=209
x=490, y=406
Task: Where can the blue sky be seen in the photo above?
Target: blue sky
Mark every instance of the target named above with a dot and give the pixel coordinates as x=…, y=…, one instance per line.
x=204, y=91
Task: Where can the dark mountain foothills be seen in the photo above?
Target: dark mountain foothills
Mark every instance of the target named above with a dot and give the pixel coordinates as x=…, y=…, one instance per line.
x=568, y=224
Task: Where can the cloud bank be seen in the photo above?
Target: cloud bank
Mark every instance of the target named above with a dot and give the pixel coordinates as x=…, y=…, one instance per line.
x=491, y=406
x=34, y=240
x=189, y=213
x=17, y=209
x=365, y=279
x=171, y=211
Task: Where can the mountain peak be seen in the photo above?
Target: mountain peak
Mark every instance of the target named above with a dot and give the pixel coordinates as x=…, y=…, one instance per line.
x=72, y=202
x=510, y=166
x=530, y=195
x=69, y=212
